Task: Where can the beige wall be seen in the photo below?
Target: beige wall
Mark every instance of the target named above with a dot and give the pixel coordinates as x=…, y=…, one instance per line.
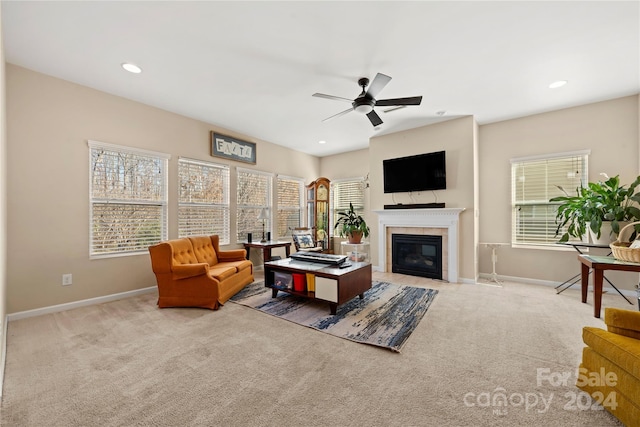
x=354, y=164
x=609, y=129
x=3, y=209
x=49, y=123
x=348, y=165
x=457, y=138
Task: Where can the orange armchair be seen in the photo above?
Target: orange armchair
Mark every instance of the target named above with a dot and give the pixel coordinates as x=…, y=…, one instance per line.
x=194, y=272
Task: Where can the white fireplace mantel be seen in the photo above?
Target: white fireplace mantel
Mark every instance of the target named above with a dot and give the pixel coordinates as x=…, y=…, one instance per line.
x=429, y=218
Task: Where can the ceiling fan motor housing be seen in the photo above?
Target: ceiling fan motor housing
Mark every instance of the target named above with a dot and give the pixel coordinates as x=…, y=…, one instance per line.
x=363, y=105
x=363, y=82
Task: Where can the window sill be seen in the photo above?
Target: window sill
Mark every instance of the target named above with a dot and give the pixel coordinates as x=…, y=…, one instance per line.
x=117, y=255
x=561, y=248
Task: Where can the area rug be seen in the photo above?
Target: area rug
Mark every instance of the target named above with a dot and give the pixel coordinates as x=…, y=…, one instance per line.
x=385, y=317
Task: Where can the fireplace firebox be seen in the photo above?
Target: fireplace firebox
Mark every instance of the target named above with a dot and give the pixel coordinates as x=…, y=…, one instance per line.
x=417, y=255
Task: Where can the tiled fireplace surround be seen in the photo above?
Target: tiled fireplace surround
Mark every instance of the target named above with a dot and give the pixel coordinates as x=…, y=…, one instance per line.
x=436, y=222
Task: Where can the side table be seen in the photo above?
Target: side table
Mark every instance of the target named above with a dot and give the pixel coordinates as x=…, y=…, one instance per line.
x=357, y=252
x=599, y=264
x=266, y=248
x=575, y=279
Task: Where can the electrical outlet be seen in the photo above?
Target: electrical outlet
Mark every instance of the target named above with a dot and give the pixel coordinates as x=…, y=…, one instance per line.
x=66, y=279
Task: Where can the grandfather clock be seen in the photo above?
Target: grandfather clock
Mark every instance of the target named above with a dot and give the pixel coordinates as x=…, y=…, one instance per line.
x=318, y=212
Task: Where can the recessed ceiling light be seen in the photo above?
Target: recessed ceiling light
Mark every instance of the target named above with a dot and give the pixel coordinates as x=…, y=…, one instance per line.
x=557, y=84
x=132, y=68
x=322, y=142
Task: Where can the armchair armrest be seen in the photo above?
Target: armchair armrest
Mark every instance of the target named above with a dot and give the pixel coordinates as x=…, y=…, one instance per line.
x=623, y=322
x=189, y=270
x=232, y=255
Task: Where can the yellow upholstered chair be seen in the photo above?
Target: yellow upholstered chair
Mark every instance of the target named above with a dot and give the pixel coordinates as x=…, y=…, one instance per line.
x=610, y=368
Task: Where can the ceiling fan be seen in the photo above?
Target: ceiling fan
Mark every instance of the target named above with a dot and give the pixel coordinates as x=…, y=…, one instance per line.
x=365, y=102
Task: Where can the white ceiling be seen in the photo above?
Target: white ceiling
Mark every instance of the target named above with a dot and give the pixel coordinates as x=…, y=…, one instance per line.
x=251, y=67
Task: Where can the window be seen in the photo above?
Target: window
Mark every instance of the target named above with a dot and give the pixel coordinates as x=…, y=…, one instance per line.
x=203, y=200
x=290, y=193
x=535, y=180
x=128, y=199
x=343, y=192
x=254, y=194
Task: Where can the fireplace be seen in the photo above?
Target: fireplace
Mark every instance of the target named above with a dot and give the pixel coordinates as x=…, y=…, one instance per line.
x=435, y=222
x=417, y=255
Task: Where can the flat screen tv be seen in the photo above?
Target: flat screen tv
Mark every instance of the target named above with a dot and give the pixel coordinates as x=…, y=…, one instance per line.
x=415, y=173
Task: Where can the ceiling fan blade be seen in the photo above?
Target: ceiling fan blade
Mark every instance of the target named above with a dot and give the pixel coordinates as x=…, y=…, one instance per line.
x=342, y=113
x=378, y=83
x=399, y=107
x=414, y=100
x=374, y=118
x=337, y=98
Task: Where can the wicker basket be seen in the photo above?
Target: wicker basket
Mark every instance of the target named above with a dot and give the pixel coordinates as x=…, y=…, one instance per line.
x=621, y=249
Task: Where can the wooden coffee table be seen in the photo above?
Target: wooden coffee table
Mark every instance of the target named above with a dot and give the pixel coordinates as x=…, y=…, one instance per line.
x=332, y=284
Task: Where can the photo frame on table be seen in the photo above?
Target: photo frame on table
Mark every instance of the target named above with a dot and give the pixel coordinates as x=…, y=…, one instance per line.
x=232, y=148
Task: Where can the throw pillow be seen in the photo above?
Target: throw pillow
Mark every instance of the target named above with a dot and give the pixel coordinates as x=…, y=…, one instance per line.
x=303, y=241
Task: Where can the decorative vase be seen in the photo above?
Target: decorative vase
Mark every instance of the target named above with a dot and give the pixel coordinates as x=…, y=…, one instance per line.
x=355, y=237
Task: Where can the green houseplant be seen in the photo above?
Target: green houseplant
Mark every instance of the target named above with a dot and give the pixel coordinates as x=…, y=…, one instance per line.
x=352, y=225
x=595, y=204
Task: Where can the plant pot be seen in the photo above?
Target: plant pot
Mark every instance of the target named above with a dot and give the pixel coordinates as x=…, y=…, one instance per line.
x=355, y=237
x=607, y=235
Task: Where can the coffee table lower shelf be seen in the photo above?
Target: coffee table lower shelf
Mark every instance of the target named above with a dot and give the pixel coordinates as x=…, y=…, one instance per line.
x=332, y=284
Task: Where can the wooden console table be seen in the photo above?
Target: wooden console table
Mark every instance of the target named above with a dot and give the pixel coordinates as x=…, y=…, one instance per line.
x=599, y=264
x=266, y=248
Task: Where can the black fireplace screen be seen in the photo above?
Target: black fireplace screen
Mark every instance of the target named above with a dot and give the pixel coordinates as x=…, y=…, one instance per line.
x=417, y=255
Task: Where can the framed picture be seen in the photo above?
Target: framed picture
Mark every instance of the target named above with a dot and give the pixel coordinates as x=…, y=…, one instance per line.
x=232, y=148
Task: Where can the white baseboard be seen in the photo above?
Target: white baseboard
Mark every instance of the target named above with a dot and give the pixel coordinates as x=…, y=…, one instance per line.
x=75, y=304
x=486, y=276
x=3, y=351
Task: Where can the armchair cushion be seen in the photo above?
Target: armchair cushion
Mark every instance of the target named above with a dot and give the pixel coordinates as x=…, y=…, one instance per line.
x=183, y=252
x=623, y=322
x=223, y=272
x=203, y=249
x=232, y=255
x=620, y=350
x=185, y=271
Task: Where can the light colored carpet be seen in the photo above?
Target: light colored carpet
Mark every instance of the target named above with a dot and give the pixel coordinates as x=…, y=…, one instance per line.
x=129, y=363
x=385, y=317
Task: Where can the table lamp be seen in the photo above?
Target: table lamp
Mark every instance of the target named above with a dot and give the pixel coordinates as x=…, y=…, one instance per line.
x=264, y=214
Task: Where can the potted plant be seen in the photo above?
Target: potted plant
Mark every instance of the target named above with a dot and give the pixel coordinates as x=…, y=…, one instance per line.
x=352, y=225
x=599, y=203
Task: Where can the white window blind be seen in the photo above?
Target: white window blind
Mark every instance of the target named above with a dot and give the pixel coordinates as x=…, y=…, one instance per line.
x=253, y=194
x=290, y=194
x=535, y=181
x=344, y=192
x=203, y=201
x=128, y=199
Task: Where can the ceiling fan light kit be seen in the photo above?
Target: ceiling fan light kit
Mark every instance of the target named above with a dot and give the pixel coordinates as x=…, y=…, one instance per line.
x=366, y=101
x=363, y=106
